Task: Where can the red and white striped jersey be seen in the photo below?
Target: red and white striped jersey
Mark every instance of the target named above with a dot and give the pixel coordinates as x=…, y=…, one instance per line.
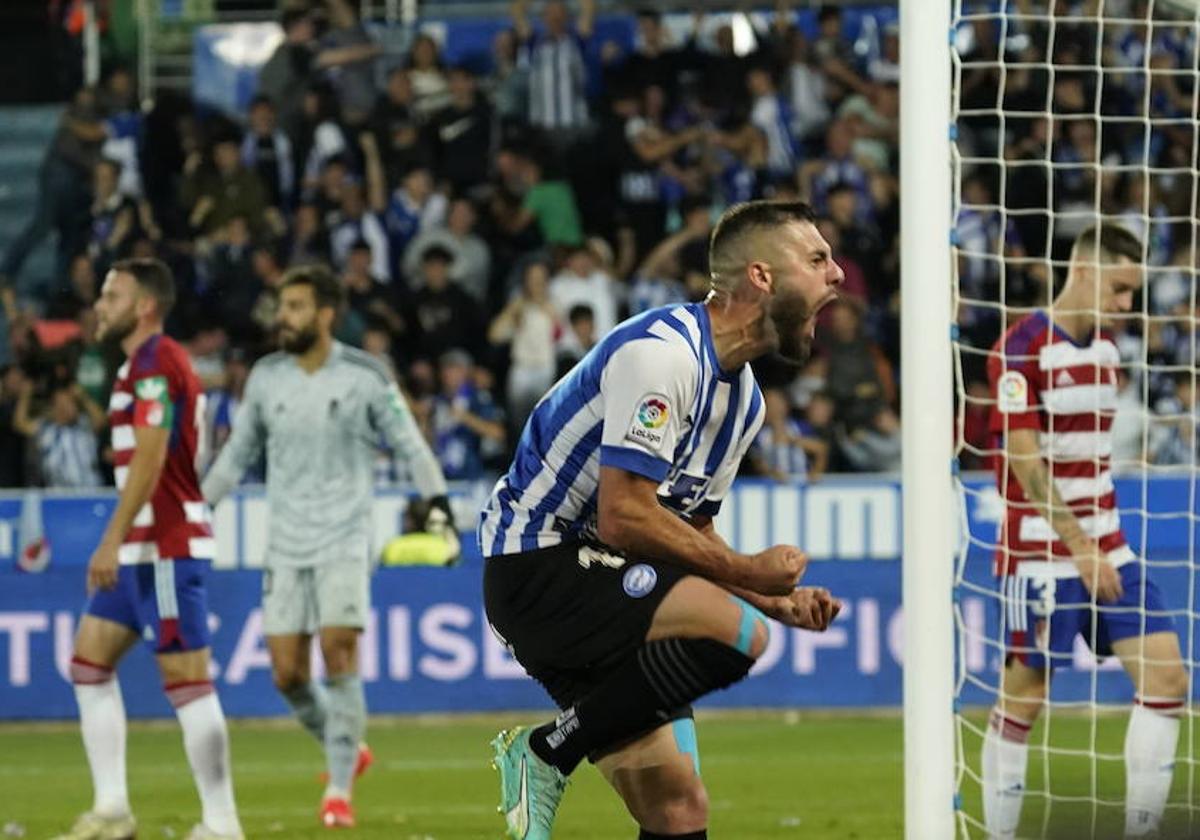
x=1044, y=380
x=157, y=387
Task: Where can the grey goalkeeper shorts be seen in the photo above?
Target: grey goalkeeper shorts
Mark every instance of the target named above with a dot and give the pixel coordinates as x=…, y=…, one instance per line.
x=303, y=599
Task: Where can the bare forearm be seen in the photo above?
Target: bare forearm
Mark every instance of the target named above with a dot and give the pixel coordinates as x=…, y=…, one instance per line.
x=95, y=413
x=22, y=422
x=483, y=428
x=655, y=532
x=346, y=55
x=144, y=472
x=1035, y=479
x=770, y=605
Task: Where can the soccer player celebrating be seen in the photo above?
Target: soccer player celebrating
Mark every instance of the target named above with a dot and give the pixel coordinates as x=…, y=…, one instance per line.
x=604, y=574
x=146, y=577
x=1063, y=563
x=320, y=409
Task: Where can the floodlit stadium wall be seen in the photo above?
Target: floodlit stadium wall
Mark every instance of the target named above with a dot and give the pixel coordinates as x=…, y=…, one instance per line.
x=428, y=648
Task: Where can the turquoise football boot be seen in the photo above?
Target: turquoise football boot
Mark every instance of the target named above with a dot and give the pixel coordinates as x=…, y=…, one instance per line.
x=530, y=789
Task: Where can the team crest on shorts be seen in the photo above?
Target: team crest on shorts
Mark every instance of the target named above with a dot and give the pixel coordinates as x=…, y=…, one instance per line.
x=639, y=580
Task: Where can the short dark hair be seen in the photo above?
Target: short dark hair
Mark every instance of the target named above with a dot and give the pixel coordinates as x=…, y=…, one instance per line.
x=261, y=99
x=437, y=253
x=1115, y=241
x=741, y=219
x=829, y=11
x=292, y=16
x=580, y=312
x=840, y=187
x=152, y=277
x=326, y=289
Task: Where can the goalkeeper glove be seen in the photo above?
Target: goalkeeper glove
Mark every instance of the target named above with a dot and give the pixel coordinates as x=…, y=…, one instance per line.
x=440, y=522
x=429, y=539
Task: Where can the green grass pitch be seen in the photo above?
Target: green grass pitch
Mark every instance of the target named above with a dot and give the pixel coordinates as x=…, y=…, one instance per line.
x=769, y=775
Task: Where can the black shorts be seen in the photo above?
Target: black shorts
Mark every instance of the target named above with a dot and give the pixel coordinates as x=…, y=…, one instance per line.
x=569, y=617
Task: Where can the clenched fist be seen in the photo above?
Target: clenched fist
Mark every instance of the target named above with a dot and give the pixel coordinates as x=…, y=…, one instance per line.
x=775, y=571
x=809, y=608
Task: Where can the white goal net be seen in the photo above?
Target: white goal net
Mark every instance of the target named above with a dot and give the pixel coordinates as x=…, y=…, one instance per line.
x=1069, y=113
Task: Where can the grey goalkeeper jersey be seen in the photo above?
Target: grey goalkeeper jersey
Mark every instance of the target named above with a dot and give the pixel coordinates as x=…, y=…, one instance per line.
x=322, y=433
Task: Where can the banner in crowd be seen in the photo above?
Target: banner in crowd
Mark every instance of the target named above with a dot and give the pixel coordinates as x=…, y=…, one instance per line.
x=428, y=646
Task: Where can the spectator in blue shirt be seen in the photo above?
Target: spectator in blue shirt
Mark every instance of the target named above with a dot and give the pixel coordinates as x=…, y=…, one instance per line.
x=465, y=418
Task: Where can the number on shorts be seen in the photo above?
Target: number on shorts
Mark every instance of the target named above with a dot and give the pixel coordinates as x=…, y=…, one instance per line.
x=1043, y=606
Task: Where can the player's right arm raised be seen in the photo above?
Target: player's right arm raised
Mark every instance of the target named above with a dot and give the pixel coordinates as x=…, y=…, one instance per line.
x=1026, y=461
x=245, y=444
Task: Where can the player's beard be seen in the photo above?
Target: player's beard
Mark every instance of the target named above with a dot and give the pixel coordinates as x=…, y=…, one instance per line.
x=298, y=341
x=112, y=331
x=789, y=318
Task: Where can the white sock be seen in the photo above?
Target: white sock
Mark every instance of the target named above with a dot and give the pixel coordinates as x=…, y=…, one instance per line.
x=1149, y=762
x=1005, y=756
x=102, y=719
x=206, y=741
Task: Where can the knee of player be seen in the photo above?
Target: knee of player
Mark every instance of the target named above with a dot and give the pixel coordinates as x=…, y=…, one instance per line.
x=760, y=637
x=1170, y=682
x=340, y=659
x=753, y=633
x=286, y=678
x=85, y=672
x=686, y=810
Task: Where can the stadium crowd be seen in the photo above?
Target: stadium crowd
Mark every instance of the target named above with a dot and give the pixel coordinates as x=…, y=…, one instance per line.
x=491, y=219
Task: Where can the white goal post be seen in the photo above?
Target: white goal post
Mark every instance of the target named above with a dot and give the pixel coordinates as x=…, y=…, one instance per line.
x=926, y=390
x=1024, y=123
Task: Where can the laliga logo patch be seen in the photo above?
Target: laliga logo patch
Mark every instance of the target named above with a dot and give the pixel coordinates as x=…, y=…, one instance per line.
x=1012, y=393
x=639, y=580
x=653, y=412
x=648, y=420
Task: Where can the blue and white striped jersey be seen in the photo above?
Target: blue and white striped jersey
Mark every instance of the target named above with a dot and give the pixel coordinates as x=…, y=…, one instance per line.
x=650, y=398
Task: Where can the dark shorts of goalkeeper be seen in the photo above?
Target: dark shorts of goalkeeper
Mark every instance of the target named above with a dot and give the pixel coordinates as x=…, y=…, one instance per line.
x=573, y=613
x=1041, y=616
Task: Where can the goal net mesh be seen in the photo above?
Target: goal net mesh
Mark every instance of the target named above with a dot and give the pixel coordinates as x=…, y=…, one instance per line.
x=1067, y=113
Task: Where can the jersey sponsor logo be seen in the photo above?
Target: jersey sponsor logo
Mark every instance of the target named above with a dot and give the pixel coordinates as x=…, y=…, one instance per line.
x=1012, y=393
x=639, y=580
x=652, y=414
x=1064, y=379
